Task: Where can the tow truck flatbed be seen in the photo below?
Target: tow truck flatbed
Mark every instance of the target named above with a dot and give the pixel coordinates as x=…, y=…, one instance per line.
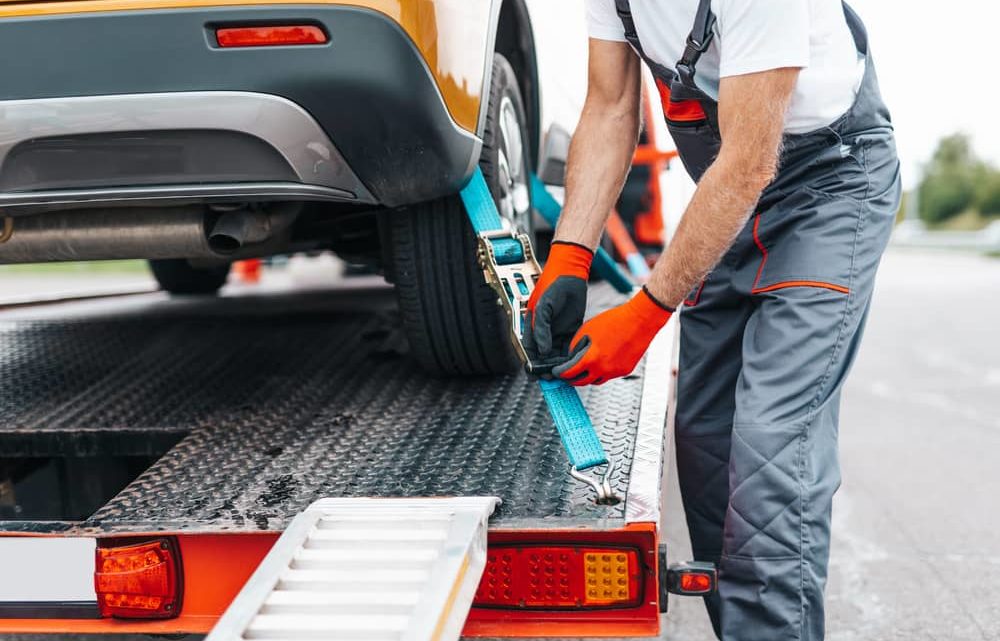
x=234, y=414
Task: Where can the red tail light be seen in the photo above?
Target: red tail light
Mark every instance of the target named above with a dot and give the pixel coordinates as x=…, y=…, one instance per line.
x=692, y=578
x=560, y=577
x=274, y=36
x=138, y=581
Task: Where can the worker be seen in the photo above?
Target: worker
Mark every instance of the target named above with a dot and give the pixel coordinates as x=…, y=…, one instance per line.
x=775, y=109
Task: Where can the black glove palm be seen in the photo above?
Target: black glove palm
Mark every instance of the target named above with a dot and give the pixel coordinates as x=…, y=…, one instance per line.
x=557, y=316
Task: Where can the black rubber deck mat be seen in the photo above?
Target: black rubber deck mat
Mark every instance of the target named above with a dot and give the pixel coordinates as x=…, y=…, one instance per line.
x=281, y=400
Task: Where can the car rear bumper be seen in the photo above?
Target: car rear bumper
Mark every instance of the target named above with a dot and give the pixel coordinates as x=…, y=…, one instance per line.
x=358, y=119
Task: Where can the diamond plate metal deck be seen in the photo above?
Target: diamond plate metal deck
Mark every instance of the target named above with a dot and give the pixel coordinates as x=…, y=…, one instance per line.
x=280, y=400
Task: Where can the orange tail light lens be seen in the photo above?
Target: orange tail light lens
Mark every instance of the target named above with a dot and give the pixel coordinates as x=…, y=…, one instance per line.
x=275, y=36
x=560, y=577
x=138, y=581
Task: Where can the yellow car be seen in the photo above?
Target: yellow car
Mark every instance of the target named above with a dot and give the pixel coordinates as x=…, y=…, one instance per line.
x=197, y=132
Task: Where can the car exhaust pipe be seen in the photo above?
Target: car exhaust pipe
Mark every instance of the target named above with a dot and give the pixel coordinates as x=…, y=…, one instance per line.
x=238, y=227
x=230, y=232
x=152, y=233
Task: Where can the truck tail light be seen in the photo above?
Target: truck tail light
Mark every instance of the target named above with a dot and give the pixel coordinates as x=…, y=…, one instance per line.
x=692, y=578
x=273, y=36
x=139, y=581
x=528, y=577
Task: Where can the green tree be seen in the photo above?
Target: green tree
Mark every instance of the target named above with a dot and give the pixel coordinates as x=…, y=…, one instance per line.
x=951, y=178
x=988, y=195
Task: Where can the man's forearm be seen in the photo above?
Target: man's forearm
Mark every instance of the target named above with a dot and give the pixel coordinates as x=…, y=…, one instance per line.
x=718, y=211
x=599, y=161
x=751, y=116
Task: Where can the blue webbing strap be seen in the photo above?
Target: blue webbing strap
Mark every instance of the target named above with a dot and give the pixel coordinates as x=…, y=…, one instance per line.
x=484, y=217
x=605, y=266
x=637, y=265
x=578, y=435
x=579, y=438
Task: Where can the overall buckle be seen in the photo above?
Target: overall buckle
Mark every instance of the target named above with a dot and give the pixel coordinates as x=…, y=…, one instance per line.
x=695, y=45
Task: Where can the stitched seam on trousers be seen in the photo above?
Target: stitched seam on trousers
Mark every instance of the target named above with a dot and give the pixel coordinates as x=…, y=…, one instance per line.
x=801, y=423
x=760, y=530
x=712, y=455
x=789, y=284
x=700, y=437
x=763, y=251
x=767, y=461
x=747, y=557
x=804, y=508
x=721, y=468
x=814, y=405
x=691, y=507
x=697, y=296
x=852, y=277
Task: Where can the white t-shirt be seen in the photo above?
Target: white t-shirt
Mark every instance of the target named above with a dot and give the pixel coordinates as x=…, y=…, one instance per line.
x=752, y=36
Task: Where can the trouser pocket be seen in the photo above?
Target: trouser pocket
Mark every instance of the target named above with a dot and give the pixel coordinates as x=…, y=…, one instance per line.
x=807, y=240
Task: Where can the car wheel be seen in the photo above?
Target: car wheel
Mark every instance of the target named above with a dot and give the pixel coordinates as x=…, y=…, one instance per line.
x=177, y=276
x=450, y=314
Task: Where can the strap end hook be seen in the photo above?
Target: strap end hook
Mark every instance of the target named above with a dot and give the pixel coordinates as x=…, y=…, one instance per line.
x=601, y=484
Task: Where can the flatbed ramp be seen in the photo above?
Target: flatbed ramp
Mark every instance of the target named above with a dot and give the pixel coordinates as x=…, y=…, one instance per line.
x=378, y=569
x=216, y=422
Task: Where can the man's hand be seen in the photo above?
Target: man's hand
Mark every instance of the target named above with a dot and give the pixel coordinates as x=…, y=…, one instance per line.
x=611, y=344
x=558, y=303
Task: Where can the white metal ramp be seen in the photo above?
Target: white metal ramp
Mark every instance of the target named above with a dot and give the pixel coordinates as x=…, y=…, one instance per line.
x=367, y=568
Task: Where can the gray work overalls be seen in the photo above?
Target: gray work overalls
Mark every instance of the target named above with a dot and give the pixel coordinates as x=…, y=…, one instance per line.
x=766, y=343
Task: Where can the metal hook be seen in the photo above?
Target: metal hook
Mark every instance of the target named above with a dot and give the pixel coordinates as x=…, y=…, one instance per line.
x=602, y=486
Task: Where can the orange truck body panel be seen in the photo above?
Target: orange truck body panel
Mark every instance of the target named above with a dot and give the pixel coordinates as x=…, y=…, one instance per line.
x=217, y=566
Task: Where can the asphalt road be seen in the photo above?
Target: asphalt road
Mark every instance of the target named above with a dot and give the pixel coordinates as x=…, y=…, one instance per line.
x=916, y=551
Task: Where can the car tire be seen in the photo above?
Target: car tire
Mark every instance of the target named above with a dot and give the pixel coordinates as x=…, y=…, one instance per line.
x=451, y=316
x=177, y=276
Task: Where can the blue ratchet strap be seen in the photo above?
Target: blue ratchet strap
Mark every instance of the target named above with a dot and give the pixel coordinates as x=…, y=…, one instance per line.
x=578, y=435
x=605, y=266
x=636, y=264
x=579, y=438
x=484, y=217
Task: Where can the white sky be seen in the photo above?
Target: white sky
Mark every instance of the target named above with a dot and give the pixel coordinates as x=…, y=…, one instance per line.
x=938, y=65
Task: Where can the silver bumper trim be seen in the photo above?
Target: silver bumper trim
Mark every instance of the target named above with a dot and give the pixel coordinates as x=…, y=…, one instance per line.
x=282, y=124
x=36, y=201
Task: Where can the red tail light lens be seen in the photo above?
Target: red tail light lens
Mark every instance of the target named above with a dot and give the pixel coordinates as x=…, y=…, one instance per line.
x=274, y=36
x=560, y=577
x=138, y=581
x=696, y=583
x=692, y=578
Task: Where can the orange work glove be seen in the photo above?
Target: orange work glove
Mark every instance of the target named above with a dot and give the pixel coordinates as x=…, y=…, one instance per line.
x=558, y=302
x=610, y=345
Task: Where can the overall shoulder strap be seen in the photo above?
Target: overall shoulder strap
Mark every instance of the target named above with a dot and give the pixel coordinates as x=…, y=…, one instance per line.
x=698, y=41
x=857, y=28
x=624, y=9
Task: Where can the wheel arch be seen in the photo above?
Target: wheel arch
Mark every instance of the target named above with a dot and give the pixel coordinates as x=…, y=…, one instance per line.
x=515, y=41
